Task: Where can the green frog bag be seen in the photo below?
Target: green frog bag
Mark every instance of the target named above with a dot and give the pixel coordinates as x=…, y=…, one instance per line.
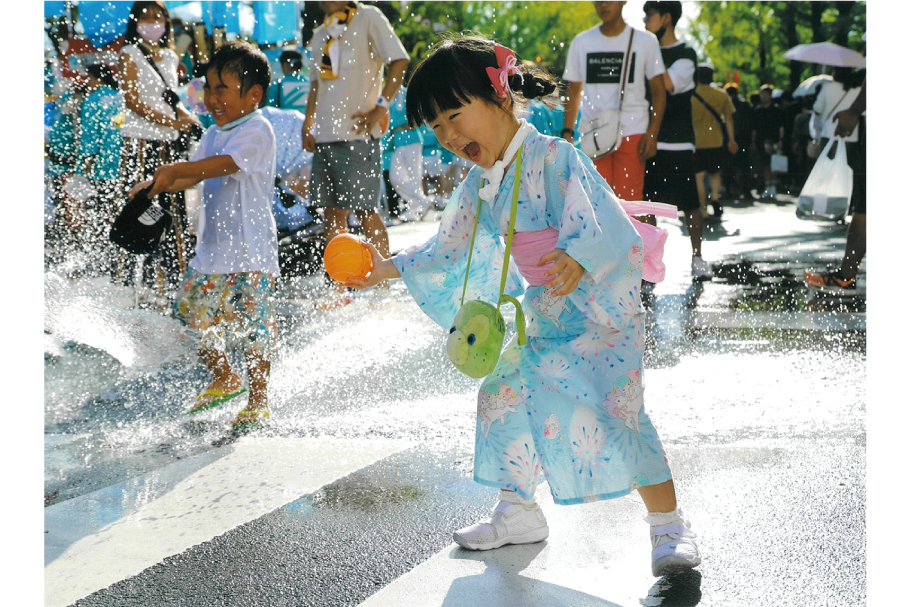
x=478, y=331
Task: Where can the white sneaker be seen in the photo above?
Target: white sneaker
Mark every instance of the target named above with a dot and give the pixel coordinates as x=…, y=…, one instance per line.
x=513, y=522
x=673, y=545
x=700, y=269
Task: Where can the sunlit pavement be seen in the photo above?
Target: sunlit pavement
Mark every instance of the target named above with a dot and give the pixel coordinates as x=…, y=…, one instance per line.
x=350, y=496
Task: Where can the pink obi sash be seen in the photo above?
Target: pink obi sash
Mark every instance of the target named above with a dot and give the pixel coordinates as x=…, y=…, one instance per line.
x=652, y=237
x=529, y=247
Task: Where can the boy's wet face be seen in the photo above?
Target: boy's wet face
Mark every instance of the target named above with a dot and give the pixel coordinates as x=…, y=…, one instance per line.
x=223, y=100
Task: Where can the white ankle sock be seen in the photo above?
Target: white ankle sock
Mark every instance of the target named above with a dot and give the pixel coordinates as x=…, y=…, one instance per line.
x=663, y=518
x=514, y=498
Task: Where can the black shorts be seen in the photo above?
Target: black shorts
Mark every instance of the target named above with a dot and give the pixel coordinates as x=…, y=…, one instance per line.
x=711, y=160
x=670, y=178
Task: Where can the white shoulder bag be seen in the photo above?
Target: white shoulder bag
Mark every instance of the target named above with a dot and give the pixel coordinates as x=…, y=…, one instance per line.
x=600, y=133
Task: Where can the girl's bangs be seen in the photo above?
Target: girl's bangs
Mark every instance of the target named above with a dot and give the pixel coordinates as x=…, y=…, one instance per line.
x=430, y=93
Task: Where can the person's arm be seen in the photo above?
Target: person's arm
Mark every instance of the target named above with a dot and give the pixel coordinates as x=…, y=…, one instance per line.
x=848, y=119
x=680, y=76
x=570, y=113
x=184, y=175
x=647, y=146
x=389, y=91
x=309, y=142
x=132, y=98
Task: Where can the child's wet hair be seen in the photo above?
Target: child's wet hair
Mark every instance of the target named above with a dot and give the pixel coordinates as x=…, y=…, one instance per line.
x=455, y=72
x=244, y=61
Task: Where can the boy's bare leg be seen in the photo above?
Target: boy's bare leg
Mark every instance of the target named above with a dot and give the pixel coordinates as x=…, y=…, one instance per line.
x=336, y=221
x=223, y=377
x=259, y=369
x=375, y=231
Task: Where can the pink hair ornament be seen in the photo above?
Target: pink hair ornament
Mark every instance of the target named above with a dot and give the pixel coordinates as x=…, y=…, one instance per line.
x=499, y=77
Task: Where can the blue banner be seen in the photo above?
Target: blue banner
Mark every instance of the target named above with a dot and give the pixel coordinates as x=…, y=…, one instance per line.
x=104, y=22
x=222, y=14
x=275, y=22
x=54, y=9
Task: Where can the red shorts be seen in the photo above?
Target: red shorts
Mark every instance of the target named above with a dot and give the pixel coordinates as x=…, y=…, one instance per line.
x=623, y=169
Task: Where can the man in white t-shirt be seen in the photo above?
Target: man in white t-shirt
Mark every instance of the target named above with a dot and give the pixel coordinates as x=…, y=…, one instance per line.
x=594, y=67
x=345, y=115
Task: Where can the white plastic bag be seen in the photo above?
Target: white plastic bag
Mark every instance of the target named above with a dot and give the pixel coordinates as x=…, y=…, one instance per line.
x=826, y=194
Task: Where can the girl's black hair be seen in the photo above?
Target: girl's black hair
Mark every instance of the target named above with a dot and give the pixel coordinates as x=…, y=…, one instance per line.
x=132, y=34
x=245, y=61
x=455, y=72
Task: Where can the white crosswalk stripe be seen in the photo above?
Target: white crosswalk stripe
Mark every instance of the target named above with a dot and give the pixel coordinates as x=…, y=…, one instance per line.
x=582, y=539
x=98, y=539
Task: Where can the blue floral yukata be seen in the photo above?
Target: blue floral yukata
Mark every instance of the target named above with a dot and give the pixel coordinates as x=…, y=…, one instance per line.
x=567, y=407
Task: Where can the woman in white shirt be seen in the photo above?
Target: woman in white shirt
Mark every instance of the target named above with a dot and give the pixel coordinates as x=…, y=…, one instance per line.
x=152, y=125
x=834, y=96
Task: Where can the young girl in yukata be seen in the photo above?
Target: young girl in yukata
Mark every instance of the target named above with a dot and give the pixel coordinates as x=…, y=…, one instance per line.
x=568, y=405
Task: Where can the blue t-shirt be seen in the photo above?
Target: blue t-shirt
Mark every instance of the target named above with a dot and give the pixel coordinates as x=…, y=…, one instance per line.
x=289, y=93
x=398, y=135
x=101, y=139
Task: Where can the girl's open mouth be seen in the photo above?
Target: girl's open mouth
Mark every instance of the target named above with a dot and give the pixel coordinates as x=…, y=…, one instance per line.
x=472, y=151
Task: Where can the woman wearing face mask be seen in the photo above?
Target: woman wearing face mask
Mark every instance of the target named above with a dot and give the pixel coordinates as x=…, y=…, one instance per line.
x=151, y=128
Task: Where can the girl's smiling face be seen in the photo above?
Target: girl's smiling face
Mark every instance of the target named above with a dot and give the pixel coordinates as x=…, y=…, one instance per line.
x=222, y=97
x=477, y=131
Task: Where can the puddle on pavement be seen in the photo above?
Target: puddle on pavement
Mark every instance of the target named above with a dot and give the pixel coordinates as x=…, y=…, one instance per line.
x=770, y=289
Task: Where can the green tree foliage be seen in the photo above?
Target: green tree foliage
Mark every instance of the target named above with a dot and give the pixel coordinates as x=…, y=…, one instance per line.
x=747, y=36
x=750, y=37
x=421, y=23
x=537, y=31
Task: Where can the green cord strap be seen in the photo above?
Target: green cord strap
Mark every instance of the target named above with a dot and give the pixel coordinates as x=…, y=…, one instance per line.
x=519, y=313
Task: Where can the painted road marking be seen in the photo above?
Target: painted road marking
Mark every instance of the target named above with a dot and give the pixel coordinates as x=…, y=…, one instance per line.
x=98, y=539
x=586, y=560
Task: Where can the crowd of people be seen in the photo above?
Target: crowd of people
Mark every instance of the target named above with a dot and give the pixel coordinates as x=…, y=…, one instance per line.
x=345, y=139
x=128, y=119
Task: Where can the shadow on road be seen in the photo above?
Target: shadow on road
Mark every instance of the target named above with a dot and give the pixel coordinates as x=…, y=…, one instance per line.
x=680, y=590
x=501, y=580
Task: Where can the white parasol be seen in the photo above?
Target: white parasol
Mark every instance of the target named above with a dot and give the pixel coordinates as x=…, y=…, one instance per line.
x=826, y=53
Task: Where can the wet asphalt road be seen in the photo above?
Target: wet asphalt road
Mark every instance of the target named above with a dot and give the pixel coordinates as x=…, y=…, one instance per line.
x=764, y=427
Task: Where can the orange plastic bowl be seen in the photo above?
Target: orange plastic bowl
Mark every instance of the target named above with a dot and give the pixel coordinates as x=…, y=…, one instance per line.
x=347, y=257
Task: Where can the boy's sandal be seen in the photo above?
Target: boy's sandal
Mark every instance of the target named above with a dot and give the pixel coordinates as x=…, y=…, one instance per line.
x=218, y=397
x=261, y=415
